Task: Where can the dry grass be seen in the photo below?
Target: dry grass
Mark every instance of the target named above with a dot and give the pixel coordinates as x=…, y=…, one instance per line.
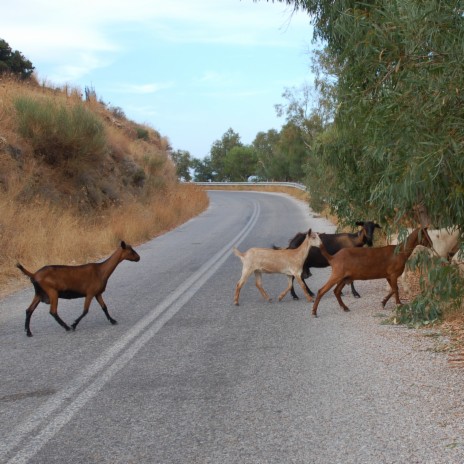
x=40, y=234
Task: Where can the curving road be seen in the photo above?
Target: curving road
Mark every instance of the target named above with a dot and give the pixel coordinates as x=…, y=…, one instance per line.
x=186, y=377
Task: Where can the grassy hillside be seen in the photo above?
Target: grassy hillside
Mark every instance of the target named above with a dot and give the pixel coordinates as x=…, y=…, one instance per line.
x=76, y=177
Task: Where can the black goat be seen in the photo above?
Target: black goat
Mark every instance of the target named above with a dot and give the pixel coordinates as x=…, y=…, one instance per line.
x=333, y=243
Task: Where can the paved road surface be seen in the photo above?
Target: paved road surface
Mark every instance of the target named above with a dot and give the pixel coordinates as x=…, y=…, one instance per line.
x=186, y=377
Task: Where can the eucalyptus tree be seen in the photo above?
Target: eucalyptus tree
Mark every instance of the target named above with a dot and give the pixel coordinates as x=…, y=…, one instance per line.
x=265, y=145
x=398, y=130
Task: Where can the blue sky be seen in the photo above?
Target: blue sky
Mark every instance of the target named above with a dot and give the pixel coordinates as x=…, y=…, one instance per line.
x=190, y=69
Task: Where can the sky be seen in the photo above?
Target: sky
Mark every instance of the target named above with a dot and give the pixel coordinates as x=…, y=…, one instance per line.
x=191, y=69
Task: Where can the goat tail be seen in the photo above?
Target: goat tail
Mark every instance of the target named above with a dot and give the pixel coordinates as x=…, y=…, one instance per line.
x=238, y=253
x=24, y=270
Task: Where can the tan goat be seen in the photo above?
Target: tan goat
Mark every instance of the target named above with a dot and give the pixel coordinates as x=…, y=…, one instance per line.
x=270, y=261
x=351, y=264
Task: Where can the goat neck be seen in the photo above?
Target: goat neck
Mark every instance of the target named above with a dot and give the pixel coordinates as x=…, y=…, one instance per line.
x=310, y=240
x=407, y=247
x=108, y=266
x=362, y=237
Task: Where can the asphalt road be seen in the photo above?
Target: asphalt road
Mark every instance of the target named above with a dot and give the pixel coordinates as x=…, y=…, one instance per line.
x=187, y=377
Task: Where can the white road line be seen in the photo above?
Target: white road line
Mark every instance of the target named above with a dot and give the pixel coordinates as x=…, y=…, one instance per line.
x=113, y=360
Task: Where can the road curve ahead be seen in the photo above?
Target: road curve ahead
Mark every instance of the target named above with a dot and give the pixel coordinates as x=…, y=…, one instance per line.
x=187, y=377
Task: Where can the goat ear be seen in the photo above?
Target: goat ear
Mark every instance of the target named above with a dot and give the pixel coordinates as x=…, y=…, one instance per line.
x=378, y=227
x=309, y=232
x=123, y=244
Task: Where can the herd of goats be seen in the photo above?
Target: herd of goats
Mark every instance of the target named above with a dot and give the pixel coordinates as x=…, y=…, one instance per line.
x=344, y=253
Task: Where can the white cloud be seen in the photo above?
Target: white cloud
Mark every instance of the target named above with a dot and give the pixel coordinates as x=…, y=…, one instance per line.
x=149, y=88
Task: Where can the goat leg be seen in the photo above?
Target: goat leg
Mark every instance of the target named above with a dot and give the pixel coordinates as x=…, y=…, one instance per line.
x=338, y=292
x=87, y=301
x=245, y=274
x=354, y=291
x=305, y=288
x=60, y=321
x=289, y=286
x=393, y=291
x=53, y=296
x=322, y=291
x=259, y=286
x=29, y=312
x=292, y=290
x=105, y=309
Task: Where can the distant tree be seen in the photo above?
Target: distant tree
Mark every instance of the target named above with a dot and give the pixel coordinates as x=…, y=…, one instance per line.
x=14, y=62
x=240, y=163
x=265, y=146
x=219, y=151
x=183, y=162
x=203, y=171
x=293, y=149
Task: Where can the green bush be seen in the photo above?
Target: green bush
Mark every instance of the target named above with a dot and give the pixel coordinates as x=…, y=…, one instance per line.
x=442, y=289
x=60, y=133
x=142, y=133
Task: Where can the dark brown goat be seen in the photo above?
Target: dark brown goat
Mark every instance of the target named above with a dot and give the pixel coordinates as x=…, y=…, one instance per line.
x=386, y=262
x=333, y=243
x=69, y=282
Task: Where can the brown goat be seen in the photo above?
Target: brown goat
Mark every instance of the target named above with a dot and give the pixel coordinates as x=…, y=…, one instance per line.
x=270, y=261
x=351, y=264
x=69, y=282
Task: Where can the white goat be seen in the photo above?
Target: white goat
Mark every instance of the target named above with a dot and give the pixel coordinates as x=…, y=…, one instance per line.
x=445, y=243
x=289, y=262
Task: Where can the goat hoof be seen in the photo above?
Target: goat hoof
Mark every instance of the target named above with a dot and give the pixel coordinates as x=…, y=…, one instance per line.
x=295, y=298
x=357, y=295
x=347, y=310
x=29, y=334
x=114, y=321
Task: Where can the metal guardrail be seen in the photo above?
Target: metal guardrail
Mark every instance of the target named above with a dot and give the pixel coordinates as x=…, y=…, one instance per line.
x=279, y=184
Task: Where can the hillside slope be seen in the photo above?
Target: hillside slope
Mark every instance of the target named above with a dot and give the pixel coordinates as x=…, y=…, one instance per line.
x=76, y=176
